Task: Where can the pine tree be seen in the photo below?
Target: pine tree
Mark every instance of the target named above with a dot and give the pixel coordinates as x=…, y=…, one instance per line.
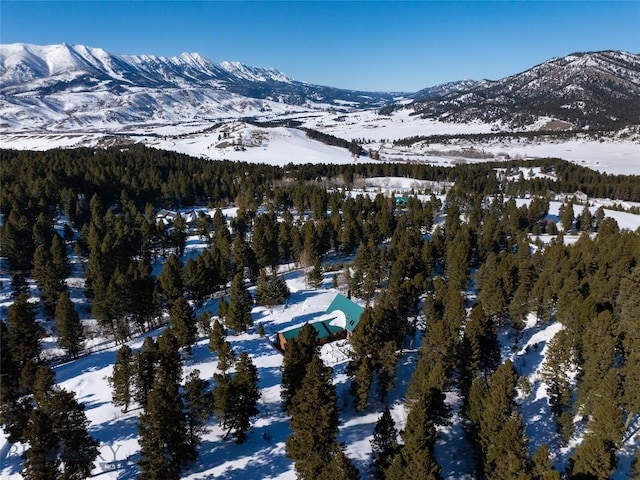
x=542, y=467
x=297, y=355
x=384, y=444
x=315, y=276
x=628, y=304
x=122, y=378
x=419, y=440
x=506, y=454
x=314, y=422
x=242, y=400
x=170, y=279
x=68, y=325
x=40, y=459
x=593, y=459
x=59, y=445
x=197, y=401
x=183, y=323
x=217, y=336
x=238, y=316
x=340, y=468
x=146, y=364
x=226, y=356
x=164, y=447
x=555, y=372
x=23, y=338
x=45, y=275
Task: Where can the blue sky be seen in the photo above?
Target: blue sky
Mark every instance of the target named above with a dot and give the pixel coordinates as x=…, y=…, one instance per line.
x=371, y=45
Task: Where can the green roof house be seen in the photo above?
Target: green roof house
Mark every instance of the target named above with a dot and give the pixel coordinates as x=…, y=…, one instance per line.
x=338, y=322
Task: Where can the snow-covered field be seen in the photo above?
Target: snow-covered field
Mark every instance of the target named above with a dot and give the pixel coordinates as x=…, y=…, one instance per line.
x=230, y=139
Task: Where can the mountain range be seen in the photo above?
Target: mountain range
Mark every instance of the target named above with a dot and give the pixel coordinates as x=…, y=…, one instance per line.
x=78, y=88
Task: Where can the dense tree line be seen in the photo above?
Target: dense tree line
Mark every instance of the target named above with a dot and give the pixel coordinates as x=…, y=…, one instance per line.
x=415, y=285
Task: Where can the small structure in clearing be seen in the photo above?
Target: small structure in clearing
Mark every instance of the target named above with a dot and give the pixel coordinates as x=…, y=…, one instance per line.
x=338, y=321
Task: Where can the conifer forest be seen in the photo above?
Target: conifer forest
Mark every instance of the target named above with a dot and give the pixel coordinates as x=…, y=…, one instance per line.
x=499, y=337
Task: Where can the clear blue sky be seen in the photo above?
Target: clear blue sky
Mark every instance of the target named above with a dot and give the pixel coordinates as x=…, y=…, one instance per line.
x=391, y=46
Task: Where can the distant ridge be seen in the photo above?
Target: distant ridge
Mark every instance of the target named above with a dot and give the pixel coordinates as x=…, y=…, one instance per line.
x=78, y=88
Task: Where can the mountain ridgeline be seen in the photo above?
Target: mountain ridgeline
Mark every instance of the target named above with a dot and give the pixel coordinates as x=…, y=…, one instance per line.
x=78, y=88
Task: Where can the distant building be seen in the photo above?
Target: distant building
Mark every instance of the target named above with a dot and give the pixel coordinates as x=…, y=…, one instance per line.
x=580, y=196
x=338, y=321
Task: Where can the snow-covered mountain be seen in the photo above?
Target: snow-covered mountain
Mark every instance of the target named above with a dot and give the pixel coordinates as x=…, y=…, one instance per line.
x=597, y=89
x=65, y=88
x=74, y=87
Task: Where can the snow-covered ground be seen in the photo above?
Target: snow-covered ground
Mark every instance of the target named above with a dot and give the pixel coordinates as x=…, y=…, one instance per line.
x=226, y=138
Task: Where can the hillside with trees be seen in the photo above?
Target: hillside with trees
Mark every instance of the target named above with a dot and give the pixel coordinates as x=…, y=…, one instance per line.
x=478, y=307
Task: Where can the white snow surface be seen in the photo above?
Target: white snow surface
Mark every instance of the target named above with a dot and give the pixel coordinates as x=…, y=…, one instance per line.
x=174, y=128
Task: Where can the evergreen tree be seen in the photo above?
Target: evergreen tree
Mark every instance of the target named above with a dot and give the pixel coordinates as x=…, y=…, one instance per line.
x=238, y=317
x=384, y=444
x=235, y=398
x=628, y=304
x=315, y=277
x=122, y=378
x=340, y=468
x=170, y=279
x=555, y=372
x=593, y=459
x=56, y=433
x=226, y=356
x=415, y=459
x=146, y=364
x=164, y=447
x=197, y=401
x=183, y=323
x=217, y=336
x=297, y=355
x=542, y=467
x=23, y=340
x=68, y=325
x=45, y=275
x=314, y=422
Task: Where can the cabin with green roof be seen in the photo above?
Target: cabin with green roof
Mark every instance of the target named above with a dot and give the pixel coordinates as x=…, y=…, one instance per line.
x=338, y=322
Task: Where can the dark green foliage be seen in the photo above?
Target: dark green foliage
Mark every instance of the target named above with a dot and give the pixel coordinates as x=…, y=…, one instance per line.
x=122, y=378
x=235, y=398
x=146, y=364
x=479, y=349
x=594, y=459
x=315, y=276
x=297, y=356
x=59, y=446
x=226, y=356
x=542, y=467
x=340, y=468
x=48, y=278
x=164, y=447
x=198, y=409
x=271, y=291
x=170, y=279
x=384, y=444
x=217, y=336
x=629, y=306
x=376, y=344
x=183, y=323
x=238, y=316
x=68, y=326
x=314, y=422
x=23, y=338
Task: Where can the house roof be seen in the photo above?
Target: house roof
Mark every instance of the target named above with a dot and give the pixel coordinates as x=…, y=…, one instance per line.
x=323, y=329
x=342, y=314
x=351, y=310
